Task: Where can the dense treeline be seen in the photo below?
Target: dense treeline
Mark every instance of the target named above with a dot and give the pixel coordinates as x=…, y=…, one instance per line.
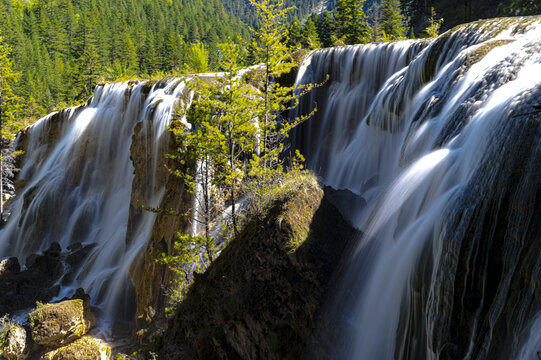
x=248, y=15
x=63, y=47
x=457, y=12
x=360, y=21
x=349, y=23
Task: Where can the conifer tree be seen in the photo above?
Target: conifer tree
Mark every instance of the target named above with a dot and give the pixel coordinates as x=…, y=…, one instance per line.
x=8, y=109
x=392, y=20
x=350, y=20
x=375, y=33
x=197, y=59
x=295, y=34
x=310, y=37
x=325, y=29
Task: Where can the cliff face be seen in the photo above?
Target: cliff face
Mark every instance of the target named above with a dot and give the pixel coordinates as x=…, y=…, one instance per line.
x=262, y=296
x=86, y=174
x=149, y=276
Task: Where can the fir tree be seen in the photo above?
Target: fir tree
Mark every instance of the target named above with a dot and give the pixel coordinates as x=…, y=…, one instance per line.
x=350, y=20
x=375, y=33
x=392, y=20
x=325, y=29
x=310, y=38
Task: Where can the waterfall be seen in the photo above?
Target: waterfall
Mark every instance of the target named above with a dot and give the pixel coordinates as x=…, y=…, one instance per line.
x=78, y=175
x=437, y=146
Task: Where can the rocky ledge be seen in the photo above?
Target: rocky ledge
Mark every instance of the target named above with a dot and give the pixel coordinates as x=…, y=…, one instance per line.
x=262, y=297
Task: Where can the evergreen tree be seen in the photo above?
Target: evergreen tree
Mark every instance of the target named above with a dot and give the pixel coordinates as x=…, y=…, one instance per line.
x=295, y=34
x=8, y=111
x=375, y=33
x=325, y=29
x=392, y=20
x=350, y=20
x=433, y=29
x=310, y=38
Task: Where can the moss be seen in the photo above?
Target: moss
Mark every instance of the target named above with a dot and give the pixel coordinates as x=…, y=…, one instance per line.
x=479, y=53
x=59, y=323
x=86, y=348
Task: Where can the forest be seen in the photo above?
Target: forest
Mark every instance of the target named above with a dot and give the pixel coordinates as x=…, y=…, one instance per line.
x=60, y=49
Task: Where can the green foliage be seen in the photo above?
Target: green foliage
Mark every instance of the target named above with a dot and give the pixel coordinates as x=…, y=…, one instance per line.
x=269, y=44
x=9, y=102
x=433, y=29
x=392, y=20
x=350, y=22
x=197, y=59
x=62, y=48
x=264, y=186
x=229, y=122
x=325, y=29
x=191, y=255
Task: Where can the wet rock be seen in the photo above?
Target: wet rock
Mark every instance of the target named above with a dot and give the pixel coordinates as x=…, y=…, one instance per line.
x=149, y=276
x=13, y=342
x=53, y=250
x=85, y=348
x=54, y=325
x=23, y=289
x=78, y=253
x=10, y=266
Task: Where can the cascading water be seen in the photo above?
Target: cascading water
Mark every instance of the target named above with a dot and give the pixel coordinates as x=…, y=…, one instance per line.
x=441, y=142
x=78, y=173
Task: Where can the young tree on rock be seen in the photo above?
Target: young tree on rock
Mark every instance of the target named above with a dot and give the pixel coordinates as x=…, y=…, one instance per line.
x=269, y=43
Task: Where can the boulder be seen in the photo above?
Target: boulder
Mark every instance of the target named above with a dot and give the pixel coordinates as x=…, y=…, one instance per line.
x=85, y=348
x=22, y=289
x=10, y=266
x=54, y=325
x=13, y=342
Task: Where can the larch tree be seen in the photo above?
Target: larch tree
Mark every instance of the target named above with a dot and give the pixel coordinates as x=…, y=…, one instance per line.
x=269, y=44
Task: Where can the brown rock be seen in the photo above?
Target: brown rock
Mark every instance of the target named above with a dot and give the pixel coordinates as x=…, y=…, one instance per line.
x=13, y=342
x=85, y=348
x=54, y=325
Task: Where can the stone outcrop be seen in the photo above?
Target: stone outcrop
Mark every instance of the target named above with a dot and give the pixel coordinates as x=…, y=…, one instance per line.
x=262, y=296
x=85, y=348
x=148, y=276
x=13, y=342
x=54, y=325
x=22, y=289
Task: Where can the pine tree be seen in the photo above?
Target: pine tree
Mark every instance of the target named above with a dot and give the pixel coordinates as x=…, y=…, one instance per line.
x=392, y=20
x=350, y=20
x=433, y=29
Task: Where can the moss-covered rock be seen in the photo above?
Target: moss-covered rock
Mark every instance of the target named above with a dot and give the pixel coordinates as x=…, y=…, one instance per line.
x=54, y=325
x=262, y=296
x=86, y=348
x=13, y=342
